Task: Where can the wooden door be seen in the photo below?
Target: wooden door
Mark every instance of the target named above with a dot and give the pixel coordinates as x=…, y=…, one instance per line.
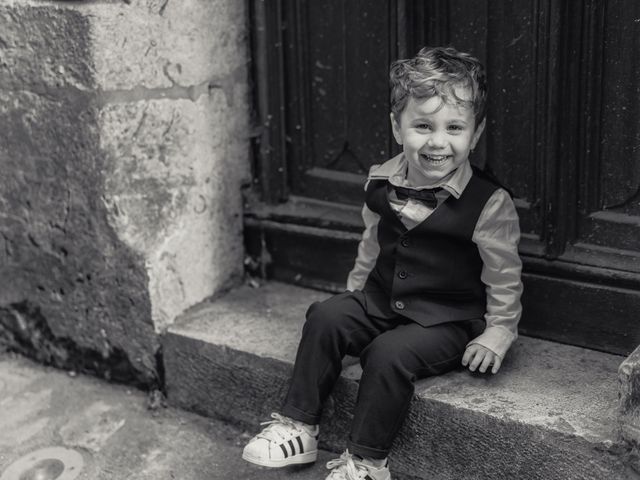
x=563, y=133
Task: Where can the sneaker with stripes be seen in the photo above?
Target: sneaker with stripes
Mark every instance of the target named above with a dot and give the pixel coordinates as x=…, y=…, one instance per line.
x=348, y=467
x=283, y=442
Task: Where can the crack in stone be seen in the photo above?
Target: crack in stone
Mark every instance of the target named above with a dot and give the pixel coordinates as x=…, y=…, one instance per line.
x=140, y=123
x=72, y=94
x=163, y=7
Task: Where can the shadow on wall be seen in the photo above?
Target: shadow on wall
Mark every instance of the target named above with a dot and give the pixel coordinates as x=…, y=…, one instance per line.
x=24, y=330
x=71, y=293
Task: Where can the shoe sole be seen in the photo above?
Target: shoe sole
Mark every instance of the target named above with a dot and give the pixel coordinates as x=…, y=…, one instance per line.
x=307, y=457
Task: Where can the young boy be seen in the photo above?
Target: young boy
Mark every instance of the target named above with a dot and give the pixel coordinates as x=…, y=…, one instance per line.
x=436, y=281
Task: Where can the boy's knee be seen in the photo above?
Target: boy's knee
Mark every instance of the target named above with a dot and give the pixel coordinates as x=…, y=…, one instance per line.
x=331, y=308
x=382, y=356
x=322, y=316
x=317, y=311
x=334, y=314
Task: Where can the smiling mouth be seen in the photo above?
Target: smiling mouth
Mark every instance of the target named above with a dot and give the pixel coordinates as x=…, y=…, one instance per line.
x=436, y=159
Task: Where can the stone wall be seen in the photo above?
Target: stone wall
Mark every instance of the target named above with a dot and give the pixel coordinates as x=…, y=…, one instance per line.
x=123, y=148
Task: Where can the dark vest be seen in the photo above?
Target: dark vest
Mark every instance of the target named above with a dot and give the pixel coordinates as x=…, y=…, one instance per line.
x=431, y=273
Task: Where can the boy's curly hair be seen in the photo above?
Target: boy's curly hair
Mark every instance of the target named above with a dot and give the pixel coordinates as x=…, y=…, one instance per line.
x=437, y=71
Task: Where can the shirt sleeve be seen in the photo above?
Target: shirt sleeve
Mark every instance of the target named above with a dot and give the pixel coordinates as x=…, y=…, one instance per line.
x=497, y=235
x=368, y=250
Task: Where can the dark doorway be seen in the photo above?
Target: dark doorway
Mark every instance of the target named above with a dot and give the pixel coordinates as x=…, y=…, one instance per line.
x=563, y=134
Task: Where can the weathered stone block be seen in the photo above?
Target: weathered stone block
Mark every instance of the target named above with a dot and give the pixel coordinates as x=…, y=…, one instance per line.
x=174, y=200
x=629, y=394
x=44, y=48
x=123, y=149
x=165, y=44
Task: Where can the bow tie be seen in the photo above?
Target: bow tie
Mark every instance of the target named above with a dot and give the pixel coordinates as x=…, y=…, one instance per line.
x=426, y=196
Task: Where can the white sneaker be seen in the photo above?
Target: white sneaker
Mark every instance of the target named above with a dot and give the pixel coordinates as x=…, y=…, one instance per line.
x=284, y=442
x=348, y=467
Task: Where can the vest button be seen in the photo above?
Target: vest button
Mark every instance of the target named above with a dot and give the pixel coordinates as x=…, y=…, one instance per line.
x=399, y=305
x=405, y=242
x=402, y=274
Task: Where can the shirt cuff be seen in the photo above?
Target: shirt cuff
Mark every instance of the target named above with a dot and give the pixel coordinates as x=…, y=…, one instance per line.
x=496, y=339
x=355, y=283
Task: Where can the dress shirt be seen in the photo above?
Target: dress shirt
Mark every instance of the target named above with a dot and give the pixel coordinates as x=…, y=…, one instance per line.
x=496, y=234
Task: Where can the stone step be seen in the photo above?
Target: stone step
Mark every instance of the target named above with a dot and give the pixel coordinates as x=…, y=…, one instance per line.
x=550, y=413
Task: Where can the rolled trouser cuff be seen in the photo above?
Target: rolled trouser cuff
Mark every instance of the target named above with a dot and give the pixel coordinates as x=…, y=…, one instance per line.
x=299, y=415
x=368, y=452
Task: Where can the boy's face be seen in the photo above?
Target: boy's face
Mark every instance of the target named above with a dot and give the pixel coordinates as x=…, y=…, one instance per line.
x=436, y=138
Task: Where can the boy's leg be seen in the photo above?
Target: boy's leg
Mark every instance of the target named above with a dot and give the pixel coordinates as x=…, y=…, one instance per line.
x=391, y=364
x=334, y=328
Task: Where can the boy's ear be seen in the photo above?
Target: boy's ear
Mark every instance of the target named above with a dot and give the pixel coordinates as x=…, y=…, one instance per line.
x=478, y=133
x=395, y=126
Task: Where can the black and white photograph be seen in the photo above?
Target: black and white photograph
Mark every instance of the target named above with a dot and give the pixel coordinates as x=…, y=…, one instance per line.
x=319, y=240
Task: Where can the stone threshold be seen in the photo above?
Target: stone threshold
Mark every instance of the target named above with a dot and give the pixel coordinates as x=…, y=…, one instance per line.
x=550, y=413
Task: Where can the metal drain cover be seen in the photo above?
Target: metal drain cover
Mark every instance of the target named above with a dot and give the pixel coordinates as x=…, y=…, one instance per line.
x=54, y=463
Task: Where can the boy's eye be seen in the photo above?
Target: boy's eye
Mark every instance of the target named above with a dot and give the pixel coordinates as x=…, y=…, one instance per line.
x=456, y=128
x=423, y=126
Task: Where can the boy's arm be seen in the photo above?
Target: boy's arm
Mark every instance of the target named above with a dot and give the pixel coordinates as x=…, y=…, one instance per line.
x=368, y=250
x=497, y=235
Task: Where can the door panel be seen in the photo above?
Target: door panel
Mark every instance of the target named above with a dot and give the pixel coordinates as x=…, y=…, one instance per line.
x=620, y=124
x=348, y=47
x=517, y=44
x=518, y=112
x=344, y=48
x=609, y=223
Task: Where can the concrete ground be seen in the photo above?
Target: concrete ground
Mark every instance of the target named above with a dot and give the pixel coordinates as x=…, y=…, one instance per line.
x=107, y=431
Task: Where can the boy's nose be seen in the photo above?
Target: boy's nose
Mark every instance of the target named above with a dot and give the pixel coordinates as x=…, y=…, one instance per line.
x=435, y=141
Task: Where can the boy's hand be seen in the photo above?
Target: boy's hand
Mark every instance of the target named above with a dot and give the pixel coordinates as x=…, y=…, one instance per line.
x=476, y=355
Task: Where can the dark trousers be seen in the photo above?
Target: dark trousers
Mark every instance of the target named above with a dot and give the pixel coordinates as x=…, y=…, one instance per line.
x=393, y=352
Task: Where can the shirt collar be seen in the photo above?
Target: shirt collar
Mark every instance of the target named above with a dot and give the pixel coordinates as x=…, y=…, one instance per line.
x=395, y=171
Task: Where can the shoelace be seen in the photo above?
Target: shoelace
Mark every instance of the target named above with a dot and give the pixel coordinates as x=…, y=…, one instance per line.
x=279, y=428
x=344, y=468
